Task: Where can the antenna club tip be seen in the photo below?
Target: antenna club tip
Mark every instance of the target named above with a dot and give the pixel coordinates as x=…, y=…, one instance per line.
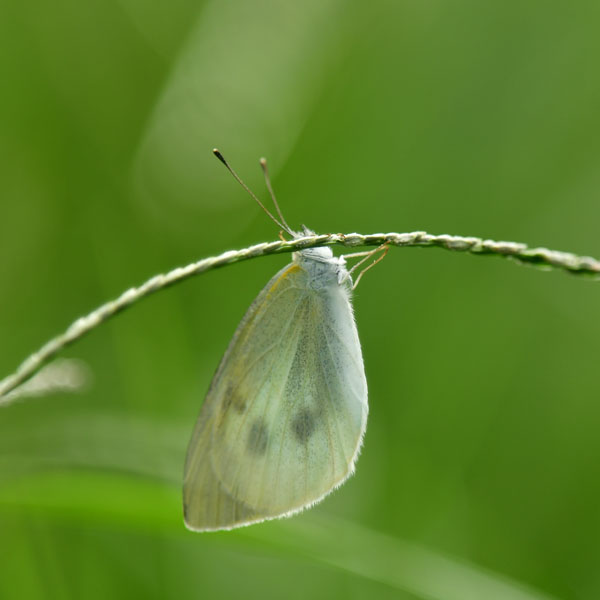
x=218, y=154
x=262, y=161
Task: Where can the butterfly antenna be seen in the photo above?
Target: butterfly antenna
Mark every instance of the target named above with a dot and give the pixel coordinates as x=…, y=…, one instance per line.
x=238, y=179
x=263, y=164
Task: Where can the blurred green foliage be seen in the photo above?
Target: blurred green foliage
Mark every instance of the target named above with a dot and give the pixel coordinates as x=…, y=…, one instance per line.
x=463, y=117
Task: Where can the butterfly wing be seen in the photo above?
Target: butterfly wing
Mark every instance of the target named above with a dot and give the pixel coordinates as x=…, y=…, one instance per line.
x=283, y=420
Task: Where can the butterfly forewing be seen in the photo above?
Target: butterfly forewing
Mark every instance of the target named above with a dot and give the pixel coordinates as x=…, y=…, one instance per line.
x=282, y=422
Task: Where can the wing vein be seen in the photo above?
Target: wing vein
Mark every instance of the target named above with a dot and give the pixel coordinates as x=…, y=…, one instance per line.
x=337, y=428
x=260, y=387
x=344, y=343
x=293, y=341
x=288, y=410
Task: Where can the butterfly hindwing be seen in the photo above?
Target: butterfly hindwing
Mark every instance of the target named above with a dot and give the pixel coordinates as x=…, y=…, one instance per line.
x=283, y=420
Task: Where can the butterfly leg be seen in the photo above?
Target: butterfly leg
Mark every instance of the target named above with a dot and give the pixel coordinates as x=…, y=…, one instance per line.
x=383, y=249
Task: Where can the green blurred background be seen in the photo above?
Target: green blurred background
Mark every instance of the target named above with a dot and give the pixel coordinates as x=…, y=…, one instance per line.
x=480, y=469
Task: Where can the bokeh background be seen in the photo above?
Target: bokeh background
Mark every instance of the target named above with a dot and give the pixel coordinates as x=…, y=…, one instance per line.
x=480, y=473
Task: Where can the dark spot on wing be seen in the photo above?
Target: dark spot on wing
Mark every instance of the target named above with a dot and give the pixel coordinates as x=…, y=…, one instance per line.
x=258, y=436
x=233, y=399
x=238, y=403
x=226, y=403
x=303, y=425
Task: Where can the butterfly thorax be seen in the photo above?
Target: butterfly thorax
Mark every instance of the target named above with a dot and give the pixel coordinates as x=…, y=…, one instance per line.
x=322, y=268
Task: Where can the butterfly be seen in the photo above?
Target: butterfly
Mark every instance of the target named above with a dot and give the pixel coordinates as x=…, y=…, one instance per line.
x=284, y=417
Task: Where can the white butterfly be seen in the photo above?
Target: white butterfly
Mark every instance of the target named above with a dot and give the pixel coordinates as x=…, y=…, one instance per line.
x=283, y=420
